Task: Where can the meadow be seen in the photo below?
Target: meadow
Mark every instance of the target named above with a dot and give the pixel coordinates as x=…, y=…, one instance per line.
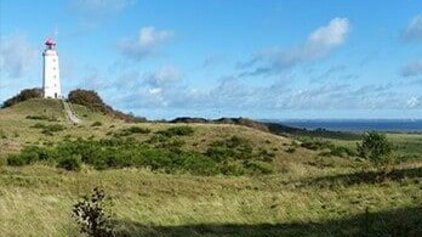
x=309, y=191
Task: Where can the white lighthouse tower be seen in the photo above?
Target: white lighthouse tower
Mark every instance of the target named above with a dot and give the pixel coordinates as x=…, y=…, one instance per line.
x=51, y=72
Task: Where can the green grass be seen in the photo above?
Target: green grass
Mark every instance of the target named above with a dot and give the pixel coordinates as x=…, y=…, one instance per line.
x=308, y=194
x=36, y=201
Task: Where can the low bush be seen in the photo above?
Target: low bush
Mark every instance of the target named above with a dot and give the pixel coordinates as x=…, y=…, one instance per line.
x=134, y=130
x=23, y=96
x=96, y=124
x=27, y=156
x=70, y=163
x=91, y=216
x=232, y=156
x=177, y=131
x=37, y=117
x=49, y=129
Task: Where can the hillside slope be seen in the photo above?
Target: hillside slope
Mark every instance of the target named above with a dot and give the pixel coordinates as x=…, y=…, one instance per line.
x=19, y=126
x=308, y=194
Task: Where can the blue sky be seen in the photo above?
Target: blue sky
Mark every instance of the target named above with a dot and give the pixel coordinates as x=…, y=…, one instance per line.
x=213, y=58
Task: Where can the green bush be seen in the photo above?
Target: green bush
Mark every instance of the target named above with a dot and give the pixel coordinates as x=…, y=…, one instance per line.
x=291, y=150
x=314, y=145
x=133, y=130
x=23, y=96
x=96, y=124
x=37, y=117
x=232, y=156
x=2, y=134
x=177, y=131
x=70, y=163
x=27, y=156
x=259, y=167
x=49, y=129
x=375, y=147
x=88, y=98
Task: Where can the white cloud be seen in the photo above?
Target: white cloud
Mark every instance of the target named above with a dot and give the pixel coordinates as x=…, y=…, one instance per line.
x=163, y=77
x=318, y=45
x=16, y=56
x=412, y=69
x=149, y=36
x=147, y=43
x=413, y=102
x=413, y=32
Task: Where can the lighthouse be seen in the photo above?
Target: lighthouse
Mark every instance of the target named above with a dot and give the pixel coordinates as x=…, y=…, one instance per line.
x=51, y=71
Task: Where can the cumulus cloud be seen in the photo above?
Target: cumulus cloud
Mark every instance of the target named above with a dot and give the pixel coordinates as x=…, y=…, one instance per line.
x=166, y=75
x=412, y=69
x=233, y=93
x=413, y=32
x=16, y=56
x=318, y=45
x=147, y=43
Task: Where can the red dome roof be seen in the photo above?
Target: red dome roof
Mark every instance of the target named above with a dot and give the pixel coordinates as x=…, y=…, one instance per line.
x=50, y=42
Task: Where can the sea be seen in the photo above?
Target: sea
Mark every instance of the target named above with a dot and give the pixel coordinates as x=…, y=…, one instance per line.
x=357, y=125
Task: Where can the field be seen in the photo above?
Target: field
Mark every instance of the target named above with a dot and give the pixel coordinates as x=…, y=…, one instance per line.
x=307, y=194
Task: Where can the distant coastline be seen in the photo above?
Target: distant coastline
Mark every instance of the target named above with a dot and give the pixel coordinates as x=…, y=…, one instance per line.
x=356, y=125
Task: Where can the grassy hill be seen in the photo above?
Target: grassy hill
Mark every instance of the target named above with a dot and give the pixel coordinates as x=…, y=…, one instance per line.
x=309, y=192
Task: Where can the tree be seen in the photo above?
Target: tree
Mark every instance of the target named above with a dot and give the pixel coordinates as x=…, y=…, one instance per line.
x=375, y=147
x=90, y=99
x=22, y=96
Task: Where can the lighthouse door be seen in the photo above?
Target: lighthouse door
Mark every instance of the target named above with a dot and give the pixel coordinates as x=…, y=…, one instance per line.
x=55, y=95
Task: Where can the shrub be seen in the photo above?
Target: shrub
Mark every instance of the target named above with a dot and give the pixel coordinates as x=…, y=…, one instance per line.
x=70, y=163
x=232, y=156
x=37, y=117
x=89, y=214
x=138, y=130
x=23, y=96
x=375, y=147
x=291, y=150
x=27, y=156
x=2, y=134
x=316, y=144
x=16, y=160
x=49, y=129
x=96, y=124
x=259, y=167
x=88, y=98
x=177, y=131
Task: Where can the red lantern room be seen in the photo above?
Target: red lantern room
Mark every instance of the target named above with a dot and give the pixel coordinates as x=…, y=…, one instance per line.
x=50, y=43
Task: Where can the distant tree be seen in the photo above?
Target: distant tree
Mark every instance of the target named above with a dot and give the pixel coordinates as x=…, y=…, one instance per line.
x=93, y=101
x=88, y=98
x=22, y=96
x=376, y=148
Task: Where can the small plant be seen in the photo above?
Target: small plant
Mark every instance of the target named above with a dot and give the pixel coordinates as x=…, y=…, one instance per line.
x=177, y=131
x=49, y=129
x=133, y=130
x=91, y=217
x=96, y=124
x=2, y=134
x=71, y=163
x=291, y=150
x=37, y=117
